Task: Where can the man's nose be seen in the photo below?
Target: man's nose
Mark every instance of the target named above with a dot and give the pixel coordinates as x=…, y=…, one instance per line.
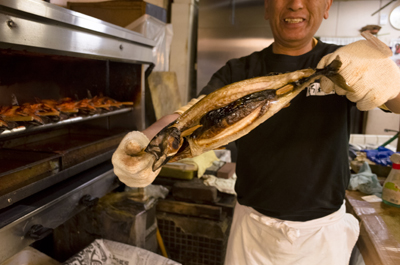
x=295, y=5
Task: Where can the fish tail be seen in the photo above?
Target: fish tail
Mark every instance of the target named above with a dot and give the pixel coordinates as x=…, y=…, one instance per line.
x=331, y=72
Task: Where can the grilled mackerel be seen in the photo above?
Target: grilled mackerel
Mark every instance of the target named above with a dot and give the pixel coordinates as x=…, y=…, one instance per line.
x=231, y=112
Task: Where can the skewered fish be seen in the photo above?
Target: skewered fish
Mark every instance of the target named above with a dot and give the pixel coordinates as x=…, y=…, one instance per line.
x=49, y=110
x=231, y=112
x=107, y=103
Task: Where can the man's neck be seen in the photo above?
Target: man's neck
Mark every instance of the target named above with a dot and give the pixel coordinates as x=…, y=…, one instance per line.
x=294, y=51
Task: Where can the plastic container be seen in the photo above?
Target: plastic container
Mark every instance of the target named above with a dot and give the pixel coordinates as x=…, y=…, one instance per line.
x=391, y=187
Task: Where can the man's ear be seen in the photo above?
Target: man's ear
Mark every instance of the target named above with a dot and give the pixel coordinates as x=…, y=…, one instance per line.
x=266, y=15
x=326, y=13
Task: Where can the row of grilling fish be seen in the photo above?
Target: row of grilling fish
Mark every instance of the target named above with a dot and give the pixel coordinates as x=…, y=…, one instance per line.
x=50, y=110
x=231, y=112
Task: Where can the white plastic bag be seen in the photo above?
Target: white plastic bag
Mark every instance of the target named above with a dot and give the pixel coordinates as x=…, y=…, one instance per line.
x=106, y=252
x=161, y=33
x=365, y=181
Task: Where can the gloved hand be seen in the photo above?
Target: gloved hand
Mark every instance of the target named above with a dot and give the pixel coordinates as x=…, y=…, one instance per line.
x=368, y=70
x=132, y=165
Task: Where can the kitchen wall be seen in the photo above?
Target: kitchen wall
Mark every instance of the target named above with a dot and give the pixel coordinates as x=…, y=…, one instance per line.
x=346, y=18
x=228, y=29
x=234, y=28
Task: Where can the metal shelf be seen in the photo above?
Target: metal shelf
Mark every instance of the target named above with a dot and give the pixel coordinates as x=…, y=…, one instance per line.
x=18, y=131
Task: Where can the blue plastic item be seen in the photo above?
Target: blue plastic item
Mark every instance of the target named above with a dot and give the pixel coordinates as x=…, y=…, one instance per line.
x=380, y=156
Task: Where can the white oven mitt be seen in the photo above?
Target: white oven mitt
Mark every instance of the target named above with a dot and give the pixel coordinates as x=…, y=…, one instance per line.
x=132, y=165
x=368, y=70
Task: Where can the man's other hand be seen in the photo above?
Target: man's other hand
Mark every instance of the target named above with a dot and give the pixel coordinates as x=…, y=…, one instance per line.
x=368, y=70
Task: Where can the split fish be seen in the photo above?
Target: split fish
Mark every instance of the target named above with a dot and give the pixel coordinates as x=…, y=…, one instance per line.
x=231, y=112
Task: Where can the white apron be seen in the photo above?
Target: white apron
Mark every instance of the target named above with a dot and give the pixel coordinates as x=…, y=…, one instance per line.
x=257, y=239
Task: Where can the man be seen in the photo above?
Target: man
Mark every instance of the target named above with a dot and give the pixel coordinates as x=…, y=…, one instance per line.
x=293, y=169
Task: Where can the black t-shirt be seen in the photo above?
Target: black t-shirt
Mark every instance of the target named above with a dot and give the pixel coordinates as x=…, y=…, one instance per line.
x=294, y=166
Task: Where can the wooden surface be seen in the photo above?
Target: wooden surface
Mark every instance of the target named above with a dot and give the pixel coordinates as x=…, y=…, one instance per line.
x=164, y=93
x=379, y=241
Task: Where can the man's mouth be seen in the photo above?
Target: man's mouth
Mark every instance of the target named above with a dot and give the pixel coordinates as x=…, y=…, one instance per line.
x=293, y=20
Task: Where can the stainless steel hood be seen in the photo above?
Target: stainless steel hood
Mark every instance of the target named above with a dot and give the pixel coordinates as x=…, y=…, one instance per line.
x=34, y=24
x=229, y=29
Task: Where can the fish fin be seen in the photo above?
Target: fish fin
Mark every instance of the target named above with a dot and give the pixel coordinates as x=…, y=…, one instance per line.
x=287, y=105
x=333, y=75
x=337, y=79
x=190, y=130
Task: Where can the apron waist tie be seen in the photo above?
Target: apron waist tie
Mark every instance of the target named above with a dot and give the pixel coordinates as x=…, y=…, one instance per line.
x=291, y=229
x=290, y=233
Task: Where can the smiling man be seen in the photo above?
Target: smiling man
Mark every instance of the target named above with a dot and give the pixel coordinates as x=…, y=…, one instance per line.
x=292, y=170
x=294, y=24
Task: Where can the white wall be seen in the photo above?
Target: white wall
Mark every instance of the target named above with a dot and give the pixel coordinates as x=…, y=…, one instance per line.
x=345, y=20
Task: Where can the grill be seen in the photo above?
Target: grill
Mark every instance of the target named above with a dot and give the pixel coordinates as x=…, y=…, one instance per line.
x=49, y=162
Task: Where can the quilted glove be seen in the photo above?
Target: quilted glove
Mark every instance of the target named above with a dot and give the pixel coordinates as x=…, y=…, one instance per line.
x=367, y=69
x=131, y=164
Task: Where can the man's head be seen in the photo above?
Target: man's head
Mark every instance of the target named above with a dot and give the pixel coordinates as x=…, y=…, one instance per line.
x=294, y=22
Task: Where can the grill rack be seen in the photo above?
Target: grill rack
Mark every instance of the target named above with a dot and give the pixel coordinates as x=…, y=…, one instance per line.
x=20, y=130
x=191, y=249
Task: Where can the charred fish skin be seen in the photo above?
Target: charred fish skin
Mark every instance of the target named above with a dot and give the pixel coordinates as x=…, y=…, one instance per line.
x=224, y=117
x=232, y=92
x=233, y=111
x=229, y=123
x=218, y=120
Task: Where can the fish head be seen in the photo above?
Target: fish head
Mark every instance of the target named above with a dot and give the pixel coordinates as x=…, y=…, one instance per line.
x=164, y=146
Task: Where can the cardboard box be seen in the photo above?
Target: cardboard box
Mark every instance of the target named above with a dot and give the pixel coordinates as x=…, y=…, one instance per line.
x=120, y=13
x=226, y=171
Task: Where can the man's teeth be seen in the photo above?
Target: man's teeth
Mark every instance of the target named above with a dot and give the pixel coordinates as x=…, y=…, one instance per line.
x=293, y=20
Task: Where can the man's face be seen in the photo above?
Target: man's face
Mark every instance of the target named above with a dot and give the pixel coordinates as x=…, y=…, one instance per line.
x=295, y=21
